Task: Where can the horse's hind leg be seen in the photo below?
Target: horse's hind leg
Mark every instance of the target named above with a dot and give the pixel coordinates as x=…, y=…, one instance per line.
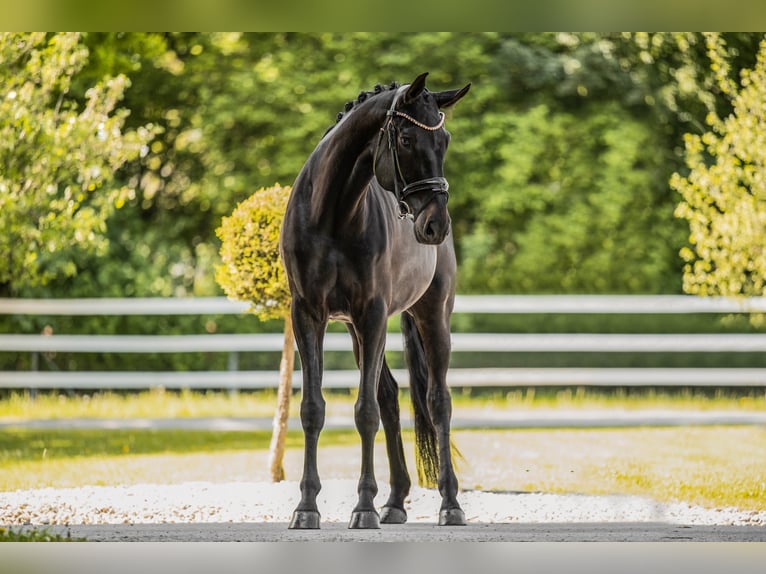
x=309, y=336
x=393, y=511
x=435, y=335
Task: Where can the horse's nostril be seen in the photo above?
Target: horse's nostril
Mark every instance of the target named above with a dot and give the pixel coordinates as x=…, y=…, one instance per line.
x=430, y=229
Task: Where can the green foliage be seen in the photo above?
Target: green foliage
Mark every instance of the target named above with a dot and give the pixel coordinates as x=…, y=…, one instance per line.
x=563, y=172
x=251, y=268
x=572, y=207
x=162, y=242
x=58, y=157
x=558, y=166
x=724, y=192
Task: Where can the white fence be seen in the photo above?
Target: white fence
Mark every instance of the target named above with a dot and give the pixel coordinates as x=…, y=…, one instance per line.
x=462, y=343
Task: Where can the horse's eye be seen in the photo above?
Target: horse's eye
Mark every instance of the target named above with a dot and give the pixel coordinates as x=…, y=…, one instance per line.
x=404, y=140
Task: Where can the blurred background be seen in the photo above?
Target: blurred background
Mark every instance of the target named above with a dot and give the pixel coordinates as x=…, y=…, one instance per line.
x=580, y=164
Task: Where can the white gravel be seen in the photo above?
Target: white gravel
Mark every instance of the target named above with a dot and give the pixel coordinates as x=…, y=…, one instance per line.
x=206, y=502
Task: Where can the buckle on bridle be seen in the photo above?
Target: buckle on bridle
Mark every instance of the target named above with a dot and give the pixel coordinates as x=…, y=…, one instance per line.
x=436, y=185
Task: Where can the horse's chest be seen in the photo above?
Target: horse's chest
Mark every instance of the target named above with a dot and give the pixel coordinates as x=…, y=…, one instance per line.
x=412, y=276
x=402, y=275
x=341, y=274
x=399, y=276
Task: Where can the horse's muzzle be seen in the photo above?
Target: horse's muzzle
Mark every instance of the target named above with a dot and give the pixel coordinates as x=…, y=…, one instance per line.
x=432, y=224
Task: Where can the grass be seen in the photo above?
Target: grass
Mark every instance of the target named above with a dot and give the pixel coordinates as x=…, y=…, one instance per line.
x=712, y=467
x=154, y=403
x=31, y=445
x=33, y=535
x=71, y=458
x=186, y=403
x=709, y=466
x=619, y=398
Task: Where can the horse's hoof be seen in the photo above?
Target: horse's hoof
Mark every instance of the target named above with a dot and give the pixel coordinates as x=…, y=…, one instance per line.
x=364, y=519
x=393, y=515
x=305, y=520
x=451, y=517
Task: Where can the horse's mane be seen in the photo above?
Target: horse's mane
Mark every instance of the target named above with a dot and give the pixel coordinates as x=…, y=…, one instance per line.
x=362, y=97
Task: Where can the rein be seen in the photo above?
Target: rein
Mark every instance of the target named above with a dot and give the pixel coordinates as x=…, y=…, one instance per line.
x=435, y=184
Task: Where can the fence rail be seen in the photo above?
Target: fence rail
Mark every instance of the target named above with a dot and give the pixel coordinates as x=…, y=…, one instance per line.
x=496, y=304
x=484, y=377
x=462, y=343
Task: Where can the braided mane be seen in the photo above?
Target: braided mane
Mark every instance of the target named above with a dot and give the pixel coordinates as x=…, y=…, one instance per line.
x=363, y=96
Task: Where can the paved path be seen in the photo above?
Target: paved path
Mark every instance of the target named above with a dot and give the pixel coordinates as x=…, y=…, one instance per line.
x=474, y=419
x=444, y=558
x=337, y=532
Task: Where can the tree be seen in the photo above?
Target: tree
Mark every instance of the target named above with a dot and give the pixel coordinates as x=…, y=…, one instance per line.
x=569, y=207
x=252, y=271
x=234, y=112
x=724, y=192
x=58, y=157
x=566, y=187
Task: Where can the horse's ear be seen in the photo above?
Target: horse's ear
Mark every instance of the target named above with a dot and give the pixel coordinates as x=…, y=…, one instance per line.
x=416, y=88
x=451, y=97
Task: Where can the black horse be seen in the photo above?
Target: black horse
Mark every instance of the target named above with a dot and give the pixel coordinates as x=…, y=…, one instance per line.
x=366, y=236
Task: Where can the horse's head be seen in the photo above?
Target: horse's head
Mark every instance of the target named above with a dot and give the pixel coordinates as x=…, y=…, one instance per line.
x=409, y=156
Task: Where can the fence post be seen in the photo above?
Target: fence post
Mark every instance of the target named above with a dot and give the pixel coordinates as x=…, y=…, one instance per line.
x=233, y=365
x=34, y=365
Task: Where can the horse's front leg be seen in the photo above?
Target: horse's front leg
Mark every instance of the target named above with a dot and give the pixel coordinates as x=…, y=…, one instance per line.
x=370, y=326
x=309, y=336
x=435, y=333
x=393, y=511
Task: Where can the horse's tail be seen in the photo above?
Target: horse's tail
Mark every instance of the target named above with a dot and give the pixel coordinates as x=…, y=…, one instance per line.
x=426, y=447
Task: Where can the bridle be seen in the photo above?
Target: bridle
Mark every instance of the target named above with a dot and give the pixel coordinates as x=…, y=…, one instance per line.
x=436, y=184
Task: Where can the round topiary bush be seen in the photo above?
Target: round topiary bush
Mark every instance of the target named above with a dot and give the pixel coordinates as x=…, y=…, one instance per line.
x=251, y=268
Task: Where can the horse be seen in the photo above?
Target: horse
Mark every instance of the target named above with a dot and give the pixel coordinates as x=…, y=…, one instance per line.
x=365, y=236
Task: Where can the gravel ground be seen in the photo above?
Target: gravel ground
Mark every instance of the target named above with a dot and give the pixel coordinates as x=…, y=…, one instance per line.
x=263, y=502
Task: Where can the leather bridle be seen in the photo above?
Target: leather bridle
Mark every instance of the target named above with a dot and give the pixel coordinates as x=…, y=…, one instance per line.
x=437, y=185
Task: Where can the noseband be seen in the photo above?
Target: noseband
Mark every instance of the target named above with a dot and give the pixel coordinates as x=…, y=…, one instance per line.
x=435, y=184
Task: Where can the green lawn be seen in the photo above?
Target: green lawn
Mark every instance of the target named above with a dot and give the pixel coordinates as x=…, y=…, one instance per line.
x=33, y=535
x=709, y=466
x=71, y=458
x=185, y=403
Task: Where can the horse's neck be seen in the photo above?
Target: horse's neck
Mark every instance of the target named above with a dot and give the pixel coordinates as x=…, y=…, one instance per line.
x=343, y=165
